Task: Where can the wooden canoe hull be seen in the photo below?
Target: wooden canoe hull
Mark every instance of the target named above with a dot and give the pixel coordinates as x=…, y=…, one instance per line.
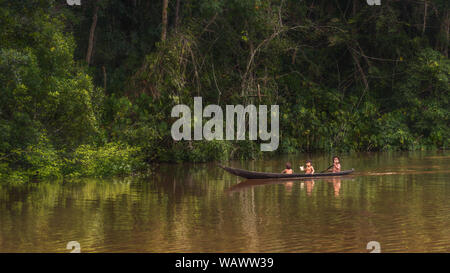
x=263, y=175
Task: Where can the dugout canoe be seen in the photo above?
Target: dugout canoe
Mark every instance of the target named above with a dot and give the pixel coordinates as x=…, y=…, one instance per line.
x=262, y=175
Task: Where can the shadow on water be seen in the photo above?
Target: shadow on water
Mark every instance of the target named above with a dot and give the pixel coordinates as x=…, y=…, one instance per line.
x=246, y=184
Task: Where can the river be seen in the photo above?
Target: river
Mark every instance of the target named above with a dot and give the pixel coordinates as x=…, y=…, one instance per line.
x=398, y=199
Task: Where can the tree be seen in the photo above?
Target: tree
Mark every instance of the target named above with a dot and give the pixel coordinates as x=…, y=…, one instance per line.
x=164, y=20
x=92, y=34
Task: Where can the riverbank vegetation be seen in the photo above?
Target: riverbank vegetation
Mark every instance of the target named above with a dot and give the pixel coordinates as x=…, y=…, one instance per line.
x=87, y=90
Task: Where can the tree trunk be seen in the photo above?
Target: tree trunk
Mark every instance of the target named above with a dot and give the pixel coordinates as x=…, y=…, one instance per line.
x=164, y=20
x=177, y=15
x=446, y=33
x=104, y=78
x=425, y=17
x=443, y=37
x=91, y=36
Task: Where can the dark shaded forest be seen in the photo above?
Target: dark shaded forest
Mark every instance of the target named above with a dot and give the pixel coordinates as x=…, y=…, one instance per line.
x=88, y=90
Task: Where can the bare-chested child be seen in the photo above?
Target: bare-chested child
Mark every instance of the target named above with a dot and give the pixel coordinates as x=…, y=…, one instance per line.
x=336, y=164
x=309, y=167
x=288, y=169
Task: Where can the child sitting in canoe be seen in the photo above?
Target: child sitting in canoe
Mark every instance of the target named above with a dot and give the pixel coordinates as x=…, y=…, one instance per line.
x=288, y=169
x=309, y=167
x=336, y=167
x=336, y=164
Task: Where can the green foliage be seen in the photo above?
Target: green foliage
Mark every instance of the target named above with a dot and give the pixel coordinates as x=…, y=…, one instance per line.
x=47, y=99
x=346, y=79
x=109, y=160
x=41, y=86
x=39, y=161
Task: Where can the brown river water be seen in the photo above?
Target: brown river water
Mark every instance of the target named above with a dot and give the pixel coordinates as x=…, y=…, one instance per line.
x=400, y=200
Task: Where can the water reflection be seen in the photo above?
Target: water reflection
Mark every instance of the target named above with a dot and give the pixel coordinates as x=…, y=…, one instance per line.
x=198, y=207
x=309, y=184
x=335, y=182
x=288, y=186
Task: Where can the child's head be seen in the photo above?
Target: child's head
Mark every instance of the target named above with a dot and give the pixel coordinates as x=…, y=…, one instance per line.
x=308, y=163
x=288, y=165
x=336, y=159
